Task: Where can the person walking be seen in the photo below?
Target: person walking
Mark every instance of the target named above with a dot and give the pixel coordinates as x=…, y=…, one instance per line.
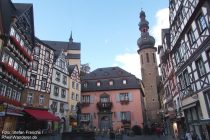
x=188, y=135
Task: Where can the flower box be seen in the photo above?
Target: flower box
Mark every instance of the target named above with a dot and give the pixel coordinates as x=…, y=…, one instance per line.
x=21, y=48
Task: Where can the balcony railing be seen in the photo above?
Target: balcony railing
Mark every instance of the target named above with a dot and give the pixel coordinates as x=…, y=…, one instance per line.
x=104, y=106
x=85, y=103
x=124, y=101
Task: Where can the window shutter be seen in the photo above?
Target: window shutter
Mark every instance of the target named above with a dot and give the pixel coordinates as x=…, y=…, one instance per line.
x=130, y=96
x=128, y=115
x=117, y=97
x=118, y=114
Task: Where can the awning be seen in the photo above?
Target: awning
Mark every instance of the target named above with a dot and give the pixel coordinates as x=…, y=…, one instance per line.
x=42, y=115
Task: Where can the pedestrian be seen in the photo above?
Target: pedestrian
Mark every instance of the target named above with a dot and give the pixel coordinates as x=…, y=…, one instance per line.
x=188, y=135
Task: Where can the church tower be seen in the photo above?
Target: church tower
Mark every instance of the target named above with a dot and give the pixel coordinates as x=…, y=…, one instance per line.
x=149, y=70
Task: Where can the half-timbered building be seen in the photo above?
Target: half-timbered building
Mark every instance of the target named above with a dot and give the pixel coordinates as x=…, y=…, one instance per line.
x=35, y=98
x=17, y=34
x=190, y=49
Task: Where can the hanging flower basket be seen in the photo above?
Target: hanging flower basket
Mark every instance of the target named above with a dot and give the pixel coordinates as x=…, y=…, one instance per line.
x=15, y=73
x=9, y=101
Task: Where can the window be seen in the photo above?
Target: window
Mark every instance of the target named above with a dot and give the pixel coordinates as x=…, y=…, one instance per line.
x=53, y=106
x=45, y=70
x=200, y=67
x=14, y=95
x=8, y=92
x=111, y=83
x=20, y=69
x=98, y=84
x=56, y=91
x=44, y=83
x=77, y=97
x=61, y=63
x=104, y=99
x=63, y=93
x=153, y=55
x=36, y=50
x=125, y=116
x=77, y=86
x=186, y=78
x=201, y=23
x=11, y=61
x=73, y=84
x=142, y=61
x=5, y=57
x=147, y=57
x=30, y=98
x=124, y=97
x=18, y=96
x=85, y=99
x=57, y=76
x=124, y=82
x=41, y=99
x=181, y=82
x=23, y=72
x=191, y=36
x=47, y=55
x=72, y=95
x=3, y=88
x=35, y=65
x=62, y=107
x=16, y=66
x=208, y=55
x=85, y=117
x=12, y=32
x=177, y=57
x=33, y=80
x=64, y=79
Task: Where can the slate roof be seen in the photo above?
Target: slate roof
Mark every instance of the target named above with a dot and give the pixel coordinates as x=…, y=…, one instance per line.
x=41, y=42
x=57, y=45
x=104, y=75
x=7, y=10
x=71, y=68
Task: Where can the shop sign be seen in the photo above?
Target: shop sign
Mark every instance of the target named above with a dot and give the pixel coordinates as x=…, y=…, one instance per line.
x=2, y=110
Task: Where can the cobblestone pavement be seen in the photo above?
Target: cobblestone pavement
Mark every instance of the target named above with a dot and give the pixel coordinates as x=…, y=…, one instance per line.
x=152, y=137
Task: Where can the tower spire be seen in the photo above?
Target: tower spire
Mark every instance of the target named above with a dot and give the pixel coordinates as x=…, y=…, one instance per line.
x=71, y=38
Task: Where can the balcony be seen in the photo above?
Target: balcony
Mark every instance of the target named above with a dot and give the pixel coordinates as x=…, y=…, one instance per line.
x=104, y=106
x=85, y=103
x=124, y=101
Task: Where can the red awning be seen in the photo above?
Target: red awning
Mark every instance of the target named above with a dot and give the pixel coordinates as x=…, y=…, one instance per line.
x=42, y=115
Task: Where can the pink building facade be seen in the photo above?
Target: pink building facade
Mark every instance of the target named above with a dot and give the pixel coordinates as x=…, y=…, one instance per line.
x=111, y=98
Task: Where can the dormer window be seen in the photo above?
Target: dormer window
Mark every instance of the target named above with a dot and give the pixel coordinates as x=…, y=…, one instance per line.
x=98, y=84
x=111, y=83
x=124, y=82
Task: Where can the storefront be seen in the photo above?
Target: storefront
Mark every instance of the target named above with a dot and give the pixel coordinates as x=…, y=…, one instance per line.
x=40, y=120
x=9, y=115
